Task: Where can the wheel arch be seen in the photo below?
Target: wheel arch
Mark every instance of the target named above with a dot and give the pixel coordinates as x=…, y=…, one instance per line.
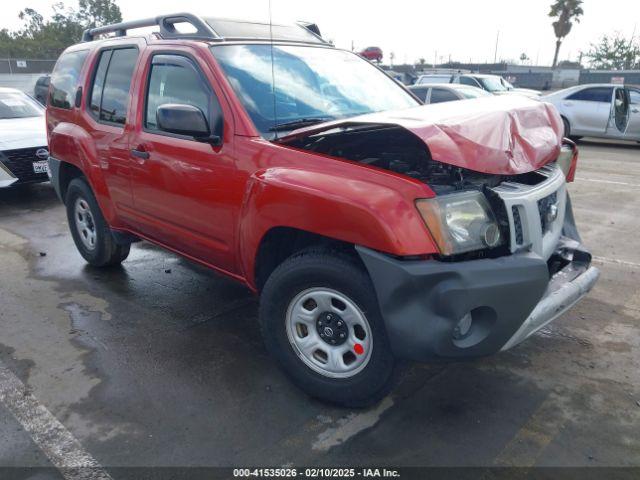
x=75, y=149
x=280, y=243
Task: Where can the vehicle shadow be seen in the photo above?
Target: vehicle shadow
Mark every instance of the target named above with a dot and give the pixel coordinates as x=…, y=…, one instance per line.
x=599, y=142
x=28, y=197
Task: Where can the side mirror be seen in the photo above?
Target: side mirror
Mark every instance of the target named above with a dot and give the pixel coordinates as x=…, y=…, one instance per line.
x=185, y=120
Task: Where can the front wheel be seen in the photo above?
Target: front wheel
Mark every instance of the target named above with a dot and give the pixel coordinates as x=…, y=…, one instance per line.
x=89, y=229
x=320, y=319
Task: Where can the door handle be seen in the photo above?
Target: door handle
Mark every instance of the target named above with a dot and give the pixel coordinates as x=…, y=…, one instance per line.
x=141, y=154
x=634, y=110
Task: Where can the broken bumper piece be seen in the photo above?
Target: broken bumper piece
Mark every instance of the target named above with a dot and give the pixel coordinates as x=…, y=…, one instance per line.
x=434, y=309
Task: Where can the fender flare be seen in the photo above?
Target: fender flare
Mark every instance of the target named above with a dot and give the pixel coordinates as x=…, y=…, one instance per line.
x=72, y=144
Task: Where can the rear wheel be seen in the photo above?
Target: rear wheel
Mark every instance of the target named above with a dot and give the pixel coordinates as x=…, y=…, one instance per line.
x=567, y=131
x=320, y=320
x=89, y=229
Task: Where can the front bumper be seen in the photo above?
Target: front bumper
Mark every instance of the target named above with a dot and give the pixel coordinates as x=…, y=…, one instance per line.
x=508, y=298
x=17, y=167
x=6, y=177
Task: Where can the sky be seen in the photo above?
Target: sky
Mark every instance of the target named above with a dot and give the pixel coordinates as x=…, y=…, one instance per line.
x=464, y=30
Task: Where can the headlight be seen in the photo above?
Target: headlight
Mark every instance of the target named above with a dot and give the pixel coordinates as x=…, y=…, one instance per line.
x=460, y=222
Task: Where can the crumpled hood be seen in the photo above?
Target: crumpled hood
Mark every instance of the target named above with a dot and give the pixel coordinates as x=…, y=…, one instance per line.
x=18, y=133
x=501, y=135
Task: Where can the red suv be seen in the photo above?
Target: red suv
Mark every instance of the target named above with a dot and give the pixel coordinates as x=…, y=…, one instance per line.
x=372, y=53
x=372, y=227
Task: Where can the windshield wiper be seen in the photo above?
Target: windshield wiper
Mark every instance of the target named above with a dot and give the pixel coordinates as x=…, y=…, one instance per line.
x=299, y=123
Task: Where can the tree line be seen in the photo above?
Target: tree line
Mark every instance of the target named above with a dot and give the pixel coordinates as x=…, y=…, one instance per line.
x=47, y=37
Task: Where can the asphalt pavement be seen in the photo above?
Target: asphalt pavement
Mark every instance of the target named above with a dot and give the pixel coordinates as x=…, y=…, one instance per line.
x=160, y=362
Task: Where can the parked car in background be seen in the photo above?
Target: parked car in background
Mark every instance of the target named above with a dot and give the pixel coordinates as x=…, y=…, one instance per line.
x=493, y=83
x=373, y=228
x=41, y=89
x=447, y=92
x=373, y=54
x=434, y=78
x=23, y=139
x=599, y=110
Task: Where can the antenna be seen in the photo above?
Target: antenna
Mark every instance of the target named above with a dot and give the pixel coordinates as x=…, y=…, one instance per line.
x=273, y=76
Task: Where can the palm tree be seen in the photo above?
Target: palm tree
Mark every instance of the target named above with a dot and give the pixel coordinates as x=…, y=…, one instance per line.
x=566, y=12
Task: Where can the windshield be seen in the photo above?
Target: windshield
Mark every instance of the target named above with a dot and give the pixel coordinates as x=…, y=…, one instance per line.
x=493, y=84
x=18, y=105
x=310, y=84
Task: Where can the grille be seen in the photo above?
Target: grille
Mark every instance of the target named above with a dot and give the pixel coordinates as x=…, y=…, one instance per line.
x=20, y=163
x=517, y=225
x=544, y=208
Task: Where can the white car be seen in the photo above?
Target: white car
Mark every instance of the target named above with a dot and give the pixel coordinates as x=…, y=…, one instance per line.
x=23, y=139
x=446, y=92
x=599, y=110
x=494, y=84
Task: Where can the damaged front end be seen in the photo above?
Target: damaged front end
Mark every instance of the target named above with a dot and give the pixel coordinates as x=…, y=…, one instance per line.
x=510, y=257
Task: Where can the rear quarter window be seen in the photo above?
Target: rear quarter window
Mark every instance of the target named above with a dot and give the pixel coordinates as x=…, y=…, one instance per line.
x=64, y=79
x=117, y=83
x=441, y=95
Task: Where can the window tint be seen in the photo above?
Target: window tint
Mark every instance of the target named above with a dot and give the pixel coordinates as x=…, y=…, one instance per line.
x=469, y=81
x=115, y=94
x=421, y=93
x=98, y=83
x=439, y=95
x=595, y=94
x=64, y=79
x=174, y=79
x=634, y=95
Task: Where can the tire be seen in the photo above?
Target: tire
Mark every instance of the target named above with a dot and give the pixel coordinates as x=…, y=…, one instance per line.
x=567, y=127
x=336, y=275
x=567, y=131
x=86, y=221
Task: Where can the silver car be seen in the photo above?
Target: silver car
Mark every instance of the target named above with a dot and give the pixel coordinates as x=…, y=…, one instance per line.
x=599, y=110
x=447, y=92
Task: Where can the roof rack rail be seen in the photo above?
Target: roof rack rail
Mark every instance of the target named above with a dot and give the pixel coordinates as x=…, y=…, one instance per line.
x=167, y=24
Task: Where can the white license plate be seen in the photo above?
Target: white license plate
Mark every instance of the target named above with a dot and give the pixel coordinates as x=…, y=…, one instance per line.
x=41, y=167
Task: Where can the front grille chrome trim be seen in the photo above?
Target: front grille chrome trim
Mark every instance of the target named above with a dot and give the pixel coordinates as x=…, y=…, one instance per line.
x=526, y=226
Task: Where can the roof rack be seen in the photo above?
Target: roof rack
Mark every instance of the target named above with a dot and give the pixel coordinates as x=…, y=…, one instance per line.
x=167, y=24
x=213, y=29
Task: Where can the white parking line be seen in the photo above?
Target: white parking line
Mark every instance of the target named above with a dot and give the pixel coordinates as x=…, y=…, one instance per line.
x=610, y=182
x=55, y=441
x=615, y=261
x=351, y=426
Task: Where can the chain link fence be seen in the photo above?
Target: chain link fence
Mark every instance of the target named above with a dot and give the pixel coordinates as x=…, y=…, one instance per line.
x=16, y=66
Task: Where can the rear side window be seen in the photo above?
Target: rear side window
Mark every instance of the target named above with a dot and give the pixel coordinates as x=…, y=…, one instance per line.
x=634, y=96
x=421, y=93
x=111, y=84
x=440, y=95
x=64, y=79
x=469, y=81
x=596, y=94
x=98, y=83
